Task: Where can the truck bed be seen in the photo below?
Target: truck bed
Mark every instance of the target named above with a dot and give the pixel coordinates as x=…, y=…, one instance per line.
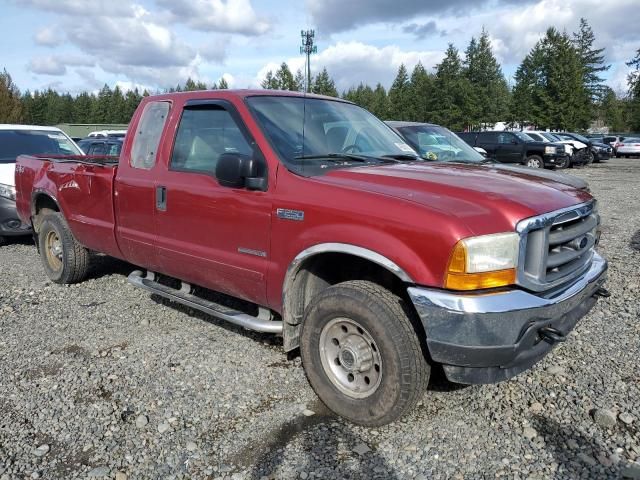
x=83, y=188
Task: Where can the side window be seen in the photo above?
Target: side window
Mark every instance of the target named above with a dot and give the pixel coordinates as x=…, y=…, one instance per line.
x=203, y=135
x=97, y=149
x=488, y=137
x=147, y=136
x=535, y=136
x=505, y=138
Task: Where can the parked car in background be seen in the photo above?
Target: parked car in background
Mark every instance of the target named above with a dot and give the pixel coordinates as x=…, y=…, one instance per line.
x=428, y=139
x=518, y=147
x=630, y=147
x=110, y=146
x=596, y=151
x=31, y=140
x=108, y=133
x=614, y=142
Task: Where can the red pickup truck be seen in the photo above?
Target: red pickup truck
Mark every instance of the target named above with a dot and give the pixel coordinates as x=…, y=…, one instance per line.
x=324, y=227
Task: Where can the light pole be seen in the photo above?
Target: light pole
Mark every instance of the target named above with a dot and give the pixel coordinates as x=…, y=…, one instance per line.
x=308, y=48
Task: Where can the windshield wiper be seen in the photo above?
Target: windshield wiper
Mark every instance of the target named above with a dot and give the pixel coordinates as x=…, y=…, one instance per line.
x=333, y=156
x=402, y=156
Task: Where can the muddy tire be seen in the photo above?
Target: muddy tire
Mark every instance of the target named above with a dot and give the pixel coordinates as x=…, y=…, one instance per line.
x=64, y=259
x=361, y=353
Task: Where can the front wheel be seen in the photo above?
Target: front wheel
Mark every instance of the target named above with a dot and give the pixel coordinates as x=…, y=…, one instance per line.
x=535, y=161
x=564, y=164
x=361, y=353
x=63, y=258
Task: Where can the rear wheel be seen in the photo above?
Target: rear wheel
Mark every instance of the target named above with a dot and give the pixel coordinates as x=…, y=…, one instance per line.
x=535, y=161
x=63, y=258
x=361, y=353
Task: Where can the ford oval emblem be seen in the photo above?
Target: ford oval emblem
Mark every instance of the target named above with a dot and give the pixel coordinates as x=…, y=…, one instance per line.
x=583, y=242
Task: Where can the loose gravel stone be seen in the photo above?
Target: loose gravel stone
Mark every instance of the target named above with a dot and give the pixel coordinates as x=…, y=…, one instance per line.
x=99, y=472
x=164, y=427
x=80, y=364
x=361, y=449
x=141, y=421
x=632, y=471
x=626, y=418
x=530, y=433
x=41, y=451
x=604, y=418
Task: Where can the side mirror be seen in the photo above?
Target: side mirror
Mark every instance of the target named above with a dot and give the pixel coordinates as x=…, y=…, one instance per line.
x=239, y=171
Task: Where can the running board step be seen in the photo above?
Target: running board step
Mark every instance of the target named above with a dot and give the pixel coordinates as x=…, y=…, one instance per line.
x=261, y=323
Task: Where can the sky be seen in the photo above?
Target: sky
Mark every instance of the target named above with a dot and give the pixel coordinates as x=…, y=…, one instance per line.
x=79, y=45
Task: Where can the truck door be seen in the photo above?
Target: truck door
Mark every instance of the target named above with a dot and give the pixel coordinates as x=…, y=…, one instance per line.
x=509, y=148
x=210, y=235
x=489, y=141
x=135, y=192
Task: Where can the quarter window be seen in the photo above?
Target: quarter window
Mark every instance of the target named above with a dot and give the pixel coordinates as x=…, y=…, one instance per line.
x=204, y=134
x=147, y=139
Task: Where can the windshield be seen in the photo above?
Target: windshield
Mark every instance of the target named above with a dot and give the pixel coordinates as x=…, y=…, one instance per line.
x=438, y=143
x=523, y=136
x=312, y=135
x=34, y=142
x=550, y=136
x=580, y=138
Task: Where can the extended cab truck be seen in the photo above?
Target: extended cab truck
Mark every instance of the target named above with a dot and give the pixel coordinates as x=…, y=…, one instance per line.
x=518, y=147
x=335, y=234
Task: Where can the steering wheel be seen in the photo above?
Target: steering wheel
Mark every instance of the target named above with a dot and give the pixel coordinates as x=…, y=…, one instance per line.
x=353, y=148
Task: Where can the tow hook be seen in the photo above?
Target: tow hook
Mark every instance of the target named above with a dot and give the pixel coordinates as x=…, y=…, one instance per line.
x=552, y=335
x=602, y=292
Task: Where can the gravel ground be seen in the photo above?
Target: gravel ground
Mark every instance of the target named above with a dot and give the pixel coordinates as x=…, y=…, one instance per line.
x=103, y=380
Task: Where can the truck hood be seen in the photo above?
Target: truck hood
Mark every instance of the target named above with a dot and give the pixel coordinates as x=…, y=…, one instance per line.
x=8, y=174
x=488, y=198
x=570, y=180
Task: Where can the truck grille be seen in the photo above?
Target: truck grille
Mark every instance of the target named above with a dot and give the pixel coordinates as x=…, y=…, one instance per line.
x=557, y=247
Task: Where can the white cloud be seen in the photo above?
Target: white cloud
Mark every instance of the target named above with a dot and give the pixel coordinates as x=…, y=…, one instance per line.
x=350, y=63
x=232, y=16
x=47, y=65
x=48, y=37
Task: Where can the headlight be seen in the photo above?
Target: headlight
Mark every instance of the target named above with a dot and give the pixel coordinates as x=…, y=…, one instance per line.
x=487, y=261
x=549, y=150
x=7, y=191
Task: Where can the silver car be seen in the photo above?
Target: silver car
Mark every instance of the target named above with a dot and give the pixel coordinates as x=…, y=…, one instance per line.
x=629, y=147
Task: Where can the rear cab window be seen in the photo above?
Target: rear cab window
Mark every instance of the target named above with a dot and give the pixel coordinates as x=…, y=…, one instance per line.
x=148, y=135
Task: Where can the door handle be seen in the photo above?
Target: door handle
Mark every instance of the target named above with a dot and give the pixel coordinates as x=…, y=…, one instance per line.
x=161, y=199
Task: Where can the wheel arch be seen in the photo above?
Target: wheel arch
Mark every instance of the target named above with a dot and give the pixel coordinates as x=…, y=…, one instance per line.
x=42, y=200
x=326, y=264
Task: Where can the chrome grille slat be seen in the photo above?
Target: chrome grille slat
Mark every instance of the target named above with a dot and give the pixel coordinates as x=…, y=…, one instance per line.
x=566, y=234
x=556, y=247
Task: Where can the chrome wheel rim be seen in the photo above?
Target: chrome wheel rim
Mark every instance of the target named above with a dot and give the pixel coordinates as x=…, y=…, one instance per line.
x=350, y=358
x=53, y=247
x=533, y=163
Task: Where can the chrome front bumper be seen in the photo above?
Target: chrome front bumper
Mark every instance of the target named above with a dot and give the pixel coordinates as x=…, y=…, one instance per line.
x=490, y=337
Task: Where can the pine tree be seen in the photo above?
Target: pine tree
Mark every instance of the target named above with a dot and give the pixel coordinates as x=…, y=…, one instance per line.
x=10, y=106
x=490, y=93
x=269, y=82
x=633, y=81
x=550, y=89
x=591, y=60
x=379, y=103
x=285, y=78
x=222, y=84
x=300, y=81
x=421, y=90
x=323, y=84
x=452, y=94
x=102, y=105
x=611, y=111
x=400, y=96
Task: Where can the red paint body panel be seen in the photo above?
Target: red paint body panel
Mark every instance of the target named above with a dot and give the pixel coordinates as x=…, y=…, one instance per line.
x=412, y=214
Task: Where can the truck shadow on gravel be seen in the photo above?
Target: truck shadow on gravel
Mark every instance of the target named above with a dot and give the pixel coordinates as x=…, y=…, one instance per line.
x=581, y=462
x=319, y=443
